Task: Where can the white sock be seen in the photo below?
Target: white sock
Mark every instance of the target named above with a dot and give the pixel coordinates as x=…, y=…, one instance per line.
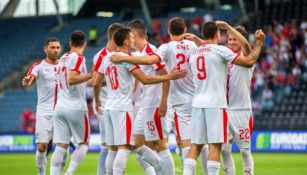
x=76, y=158
x=41, y=162
x=228, y=163
x=146, y=166
x=102, y=160
x=150, y=156
x=213, y=167
x=204, y=154
x=185, y=152
x=110, y=161
x=168, y=164
x=248, y=161
x=65, y=158
x=56, y=160
x=120, y=162
x=189, y=166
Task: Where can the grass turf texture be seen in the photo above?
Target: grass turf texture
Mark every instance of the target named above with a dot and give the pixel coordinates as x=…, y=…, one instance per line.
x=265, y=163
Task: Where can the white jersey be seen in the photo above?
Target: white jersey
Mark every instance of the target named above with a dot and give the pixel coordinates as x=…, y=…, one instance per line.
x=238, y=87
x=45, y=74
x=209, y=68
x=176, y=54
x=72, y=96
x=97, y=61
x=152, y=94
x=120, y=83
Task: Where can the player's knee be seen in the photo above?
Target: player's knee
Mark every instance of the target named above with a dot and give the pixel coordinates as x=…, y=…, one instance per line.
x=160, y=145
x=42, y=147
x=185, y=143
x=225, y=150
x=245, y=152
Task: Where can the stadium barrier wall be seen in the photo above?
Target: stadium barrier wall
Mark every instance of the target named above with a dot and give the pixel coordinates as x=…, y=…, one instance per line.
x=262, y=141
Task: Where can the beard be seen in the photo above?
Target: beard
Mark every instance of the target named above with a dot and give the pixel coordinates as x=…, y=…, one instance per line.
x=53, y=57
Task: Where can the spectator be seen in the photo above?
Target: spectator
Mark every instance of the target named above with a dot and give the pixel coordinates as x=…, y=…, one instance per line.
x=28, y=120
x=93, y=35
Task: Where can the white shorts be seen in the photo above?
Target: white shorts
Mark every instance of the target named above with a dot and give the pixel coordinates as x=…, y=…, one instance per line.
x=154, y=126
x=69, y=123
x=102, y=130
x=209, y=125
x=180, y=115
x=138, y=128
x=119, y=125
x=240, y=127
x=43, y=128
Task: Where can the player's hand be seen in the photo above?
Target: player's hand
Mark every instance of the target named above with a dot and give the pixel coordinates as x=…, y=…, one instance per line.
x=189, y=36
x=176, y=74
x=97, y=107
x=27, y=80
x=222, y=25
x=260, y=37
x=162, y=109
x=116, y=58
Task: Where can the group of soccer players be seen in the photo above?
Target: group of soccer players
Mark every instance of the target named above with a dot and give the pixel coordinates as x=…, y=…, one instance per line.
x=193, y=86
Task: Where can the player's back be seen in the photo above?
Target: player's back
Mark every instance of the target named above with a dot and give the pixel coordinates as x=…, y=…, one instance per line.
x=209, y=68
x=119, y=82
x=176, y=54
x=71, y=96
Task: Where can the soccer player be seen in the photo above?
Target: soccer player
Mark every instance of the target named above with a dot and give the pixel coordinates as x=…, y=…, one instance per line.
x=209, y=115
x=175, y=54
x=71, y=114
x=118, y=108
x=150, y=124
x=44, y=72
x=239, y=103
x=97, y=60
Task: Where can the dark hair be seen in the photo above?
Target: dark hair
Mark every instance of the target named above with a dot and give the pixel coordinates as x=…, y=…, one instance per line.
x=176, y=26
x=112, y=28
x=242, y=30
x=77, y=38
x=209, y=30
x=49, y=40
x=140, y=26
x=120, y=35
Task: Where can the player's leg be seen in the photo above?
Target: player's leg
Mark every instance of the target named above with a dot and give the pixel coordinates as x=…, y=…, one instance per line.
x=109, y=135
x=61, y=137
x=80, y=128
x=198, y=139
x=43, y=134
x=103, y=149
x=204, y=158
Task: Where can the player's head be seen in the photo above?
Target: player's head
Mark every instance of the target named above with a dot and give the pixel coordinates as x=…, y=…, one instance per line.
x=176, y=26
x=112, y=28
x=52, y=48
x=78, y=39
x=138, y=28
x=232, y=40
x=123, y=37
x=210, y=31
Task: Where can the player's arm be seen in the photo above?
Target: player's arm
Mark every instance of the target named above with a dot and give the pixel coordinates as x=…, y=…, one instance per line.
x=99, y=79
x=142, y=60
x=198, y=41
x=165, y=91
x=91, y=81
x=75, y=77
x=146, y=79
x=246, y=46
x=251, y=59
x=28, y=80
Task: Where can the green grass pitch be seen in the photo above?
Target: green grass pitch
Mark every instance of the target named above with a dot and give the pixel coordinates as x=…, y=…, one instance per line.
x=265, y=164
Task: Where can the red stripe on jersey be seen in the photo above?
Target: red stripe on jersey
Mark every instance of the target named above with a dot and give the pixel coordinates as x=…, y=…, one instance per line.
x=235, y=58
x=55, y=95
x=128, y=128
x=231, y=49
x=250, y=123
x=158, y=56
x=225, y=125
x=177, y=126
x=148, y=50
x=136, y=67
x=78, y=64
x=159, y=66
x=227, y=82
x=32, y=67
x=158, y=123
x=102, y=54
x=86, y=126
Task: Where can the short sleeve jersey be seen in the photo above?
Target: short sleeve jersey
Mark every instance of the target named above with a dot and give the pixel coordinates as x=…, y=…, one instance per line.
x=209, y=69
x=152, y=94
x=47, y=88
x=176, y=54
x=120, y=83
x=72, y=96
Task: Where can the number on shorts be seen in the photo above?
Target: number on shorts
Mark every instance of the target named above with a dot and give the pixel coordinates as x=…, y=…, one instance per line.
x=151, y=126
x=244, y=134
x=112, y=75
